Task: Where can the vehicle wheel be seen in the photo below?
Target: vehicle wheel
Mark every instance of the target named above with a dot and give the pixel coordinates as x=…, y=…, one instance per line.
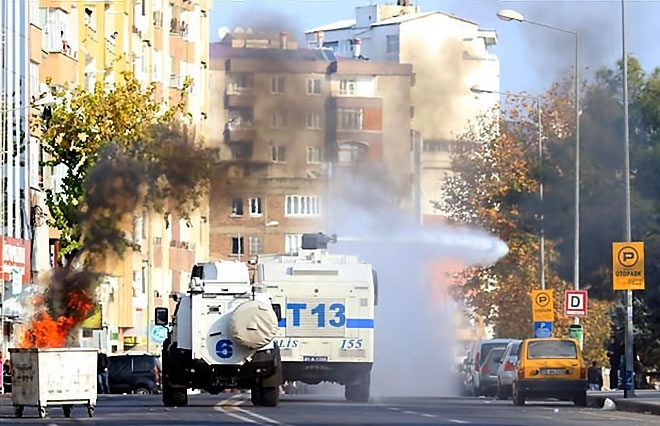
x=18, y=410
x=518, y=397
x=42, y=412
x=256, y=396
x=141, y=391
x=358, y=392
x=90, y=410
x=175, y=397
x=580, y=399
x=67, y=410
x=500, y=392
x=270, y=397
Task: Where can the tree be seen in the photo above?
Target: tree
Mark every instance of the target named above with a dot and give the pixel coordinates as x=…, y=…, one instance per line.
x=495, y=186
x=122, y=150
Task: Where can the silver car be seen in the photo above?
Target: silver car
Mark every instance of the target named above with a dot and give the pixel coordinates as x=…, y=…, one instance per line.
x=506, y=370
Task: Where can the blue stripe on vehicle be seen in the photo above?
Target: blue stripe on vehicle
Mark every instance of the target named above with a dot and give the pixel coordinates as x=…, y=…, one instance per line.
x=350, y=323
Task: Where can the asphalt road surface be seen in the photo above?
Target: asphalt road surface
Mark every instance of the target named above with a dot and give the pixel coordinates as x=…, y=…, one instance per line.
x=298, y=410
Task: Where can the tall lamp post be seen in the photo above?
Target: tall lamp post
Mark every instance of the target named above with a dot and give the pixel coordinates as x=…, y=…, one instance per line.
x=537, y=99
x=629, y=339
x=512, y=15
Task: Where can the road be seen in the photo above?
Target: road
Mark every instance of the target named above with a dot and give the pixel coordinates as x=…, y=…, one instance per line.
x=297, y=410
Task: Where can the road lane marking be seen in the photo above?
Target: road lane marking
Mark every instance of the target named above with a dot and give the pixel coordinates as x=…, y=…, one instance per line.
x=428, y=415
x=410, y=412
x=460, y=422
x=393, y=408
x=231, y=407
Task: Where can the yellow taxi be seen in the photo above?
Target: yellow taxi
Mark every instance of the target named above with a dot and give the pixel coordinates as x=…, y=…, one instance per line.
x=550, y=368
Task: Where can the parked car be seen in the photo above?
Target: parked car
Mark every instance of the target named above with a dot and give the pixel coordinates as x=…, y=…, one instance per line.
x=550, y=368
x=506, y=370
x=475, y=363
x=134, y=373
x=488, y=383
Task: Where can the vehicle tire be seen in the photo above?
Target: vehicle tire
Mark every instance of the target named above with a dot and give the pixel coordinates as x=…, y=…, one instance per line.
x=175, y=397
x=518, y=397
x=360, y=391
x=270, y=397
x=67, y=409
x=580, y=400
x=499, y=394
x=256, y=396
x=141, y=391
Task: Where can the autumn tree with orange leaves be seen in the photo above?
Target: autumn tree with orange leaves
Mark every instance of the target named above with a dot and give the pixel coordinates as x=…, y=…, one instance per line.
x=495, y=186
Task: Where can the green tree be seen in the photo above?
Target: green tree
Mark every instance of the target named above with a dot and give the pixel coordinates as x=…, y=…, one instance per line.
x=122, y=150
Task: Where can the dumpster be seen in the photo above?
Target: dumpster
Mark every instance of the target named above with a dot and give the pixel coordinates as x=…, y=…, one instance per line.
x=47, y=377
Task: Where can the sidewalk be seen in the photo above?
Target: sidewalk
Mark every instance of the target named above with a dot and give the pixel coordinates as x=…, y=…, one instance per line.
x=645, y=401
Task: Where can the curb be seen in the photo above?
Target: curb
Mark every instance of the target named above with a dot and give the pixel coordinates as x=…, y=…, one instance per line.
x=627, y=405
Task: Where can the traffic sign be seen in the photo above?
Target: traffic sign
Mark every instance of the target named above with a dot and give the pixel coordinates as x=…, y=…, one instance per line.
x=628, y=266
x=575, y=303
x=542, y=329
x=543, y=306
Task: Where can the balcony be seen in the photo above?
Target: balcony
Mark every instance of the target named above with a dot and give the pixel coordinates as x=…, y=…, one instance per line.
x=60, y=67
x=240, y=98
x=243, y=132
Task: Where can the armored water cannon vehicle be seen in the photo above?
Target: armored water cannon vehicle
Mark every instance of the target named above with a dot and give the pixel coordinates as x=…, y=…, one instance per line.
x=221, y=336
x=327, y=300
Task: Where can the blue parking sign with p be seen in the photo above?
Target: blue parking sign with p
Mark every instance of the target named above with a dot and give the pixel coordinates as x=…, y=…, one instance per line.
x=542, y=329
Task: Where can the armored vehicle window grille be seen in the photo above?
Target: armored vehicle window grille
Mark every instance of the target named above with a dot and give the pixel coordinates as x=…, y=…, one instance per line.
x=317, y=319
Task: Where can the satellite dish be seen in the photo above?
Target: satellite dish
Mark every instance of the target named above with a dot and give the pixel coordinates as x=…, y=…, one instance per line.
x=222, y=32
x=239, y=30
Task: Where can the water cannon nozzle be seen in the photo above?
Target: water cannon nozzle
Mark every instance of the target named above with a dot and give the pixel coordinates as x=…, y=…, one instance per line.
x=317, y=241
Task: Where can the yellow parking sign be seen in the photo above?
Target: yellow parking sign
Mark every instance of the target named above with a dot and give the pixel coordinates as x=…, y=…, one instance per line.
x=543, y=306
x=628, y=265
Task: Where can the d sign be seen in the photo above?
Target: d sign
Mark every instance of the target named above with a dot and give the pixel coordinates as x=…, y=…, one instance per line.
x=575, y=303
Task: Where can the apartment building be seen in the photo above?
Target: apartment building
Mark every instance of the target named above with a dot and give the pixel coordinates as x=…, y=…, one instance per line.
x=449, y=55
x=164, y=41
x=285, y=117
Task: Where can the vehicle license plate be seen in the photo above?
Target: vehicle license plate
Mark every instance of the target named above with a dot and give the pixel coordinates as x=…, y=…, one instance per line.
x=552, y=371
x=315, y=359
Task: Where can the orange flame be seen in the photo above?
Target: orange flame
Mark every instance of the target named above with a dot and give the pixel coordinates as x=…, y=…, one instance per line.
x=44, y=331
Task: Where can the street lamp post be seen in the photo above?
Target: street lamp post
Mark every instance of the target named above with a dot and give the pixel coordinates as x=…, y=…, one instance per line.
x=539, y=124
x=629, y=338
x=512, y=15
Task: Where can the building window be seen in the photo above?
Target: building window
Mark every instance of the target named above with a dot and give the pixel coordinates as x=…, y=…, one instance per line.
x=313, y=120
x=255, y=206
x=237, y=207
x=277, y=120
x=347, y=87
x=302, y=205
x=278, y=154
x=237, y=246
x=313, y=155
x=351, y=154
x=277, y=84
x=241, y=81
x=350, y=119
x=256, y=245
x=313, y=86
x=292, y=243
x=437, y=146
x=392, y=43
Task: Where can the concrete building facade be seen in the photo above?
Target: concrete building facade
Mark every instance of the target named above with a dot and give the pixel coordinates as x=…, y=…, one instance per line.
x=286, y=117
x=162, y=41
x=449, y=55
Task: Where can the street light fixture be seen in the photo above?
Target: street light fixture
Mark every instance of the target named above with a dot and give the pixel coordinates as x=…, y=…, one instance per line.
x=508, y=15
x=479, y=90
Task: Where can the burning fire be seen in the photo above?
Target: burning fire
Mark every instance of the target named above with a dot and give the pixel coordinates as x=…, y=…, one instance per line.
x=44, y=331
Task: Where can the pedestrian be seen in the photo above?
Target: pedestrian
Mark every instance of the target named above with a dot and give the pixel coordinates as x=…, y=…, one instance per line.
x=614, y=355
x=102, y=366
x=595, y=377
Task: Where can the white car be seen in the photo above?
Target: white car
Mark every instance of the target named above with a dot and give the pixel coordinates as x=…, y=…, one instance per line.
x=506, y=370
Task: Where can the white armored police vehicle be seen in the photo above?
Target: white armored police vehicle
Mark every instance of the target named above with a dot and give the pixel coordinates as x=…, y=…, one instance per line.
x=327, y=307
x=221, y=337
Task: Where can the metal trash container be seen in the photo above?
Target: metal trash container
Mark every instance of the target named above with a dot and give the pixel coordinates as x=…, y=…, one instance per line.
x=46, y=377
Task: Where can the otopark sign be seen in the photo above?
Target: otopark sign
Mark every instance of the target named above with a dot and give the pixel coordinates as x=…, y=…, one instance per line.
x=628, y=266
